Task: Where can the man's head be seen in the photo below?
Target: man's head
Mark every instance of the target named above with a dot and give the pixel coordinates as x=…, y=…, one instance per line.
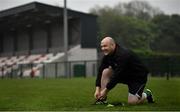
x=107, y=45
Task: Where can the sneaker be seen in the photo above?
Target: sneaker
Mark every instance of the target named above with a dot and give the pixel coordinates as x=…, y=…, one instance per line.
x=149, y=96
x=101, y=102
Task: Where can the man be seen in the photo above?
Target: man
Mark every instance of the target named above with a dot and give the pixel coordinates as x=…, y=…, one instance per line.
x=120, y=65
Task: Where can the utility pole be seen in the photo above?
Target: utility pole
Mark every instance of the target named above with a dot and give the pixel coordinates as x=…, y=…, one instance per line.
x=65, y=38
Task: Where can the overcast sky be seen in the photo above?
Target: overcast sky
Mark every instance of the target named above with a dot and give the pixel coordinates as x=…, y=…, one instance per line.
x=168, y=6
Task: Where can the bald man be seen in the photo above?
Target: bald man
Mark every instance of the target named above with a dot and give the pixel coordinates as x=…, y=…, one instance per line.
x=120, y=65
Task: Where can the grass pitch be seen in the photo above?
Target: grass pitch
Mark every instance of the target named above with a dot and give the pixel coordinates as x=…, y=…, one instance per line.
x=76, y=94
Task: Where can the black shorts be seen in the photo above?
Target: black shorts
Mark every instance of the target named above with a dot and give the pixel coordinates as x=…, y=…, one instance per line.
x=136, y=88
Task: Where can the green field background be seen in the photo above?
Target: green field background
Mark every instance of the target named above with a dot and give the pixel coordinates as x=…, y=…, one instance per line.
x=76, y=94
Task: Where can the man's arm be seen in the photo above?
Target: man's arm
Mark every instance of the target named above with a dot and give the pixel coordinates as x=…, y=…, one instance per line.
x=121, y=65
x=98, y=79
x=100, y=70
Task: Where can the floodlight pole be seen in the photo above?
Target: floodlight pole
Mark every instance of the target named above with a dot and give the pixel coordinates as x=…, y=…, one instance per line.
x=65, y=38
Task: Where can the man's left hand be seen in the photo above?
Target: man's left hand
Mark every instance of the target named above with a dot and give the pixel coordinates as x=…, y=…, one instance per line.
x=104, y=93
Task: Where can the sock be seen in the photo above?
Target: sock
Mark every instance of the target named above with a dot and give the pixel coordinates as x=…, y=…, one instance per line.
x=145, y=95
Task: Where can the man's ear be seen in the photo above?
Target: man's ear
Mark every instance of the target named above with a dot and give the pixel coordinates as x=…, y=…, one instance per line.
x=114, y=45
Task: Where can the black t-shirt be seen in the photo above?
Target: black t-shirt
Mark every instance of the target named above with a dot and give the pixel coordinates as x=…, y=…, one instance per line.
x=127, y=68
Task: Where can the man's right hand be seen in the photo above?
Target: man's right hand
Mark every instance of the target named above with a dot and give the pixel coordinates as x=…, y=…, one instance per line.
x=97, y=93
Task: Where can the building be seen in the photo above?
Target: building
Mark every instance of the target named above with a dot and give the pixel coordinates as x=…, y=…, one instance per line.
x=37, y=29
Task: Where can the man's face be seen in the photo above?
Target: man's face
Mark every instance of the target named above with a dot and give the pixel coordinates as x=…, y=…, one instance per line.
x=106, y=47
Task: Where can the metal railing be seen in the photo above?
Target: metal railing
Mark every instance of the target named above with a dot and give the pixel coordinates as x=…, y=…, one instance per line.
x=53, y=70
x=158, y=67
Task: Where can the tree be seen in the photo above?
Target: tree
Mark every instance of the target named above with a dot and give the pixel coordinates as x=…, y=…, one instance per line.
x=138, y=25
x=130, y=31
x=141, y=9
x=168, y=33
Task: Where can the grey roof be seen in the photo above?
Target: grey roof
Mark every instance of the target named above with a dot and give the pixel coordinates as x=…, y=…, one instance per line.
x=34, y=6
x=33, y=13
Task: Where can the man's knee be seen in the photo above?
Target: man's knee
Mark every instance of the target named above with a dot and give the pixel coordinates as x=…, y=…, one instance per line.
x=107, y=72
x=132, y=100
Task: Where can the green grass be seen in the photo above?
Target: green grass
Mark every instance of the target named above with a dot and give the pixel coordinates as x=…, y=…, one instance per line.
x=77, y=94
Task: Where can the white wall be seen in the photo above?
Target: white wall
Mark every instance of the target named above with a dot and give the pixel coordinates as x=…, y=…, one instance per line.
x=78, y=54
x=87, y=55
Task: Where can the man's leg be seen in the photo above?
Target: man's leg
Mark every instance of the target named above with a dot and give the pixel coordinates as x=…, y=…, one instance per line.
x=136, y=99
x=106, y=74
x=136, y=94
